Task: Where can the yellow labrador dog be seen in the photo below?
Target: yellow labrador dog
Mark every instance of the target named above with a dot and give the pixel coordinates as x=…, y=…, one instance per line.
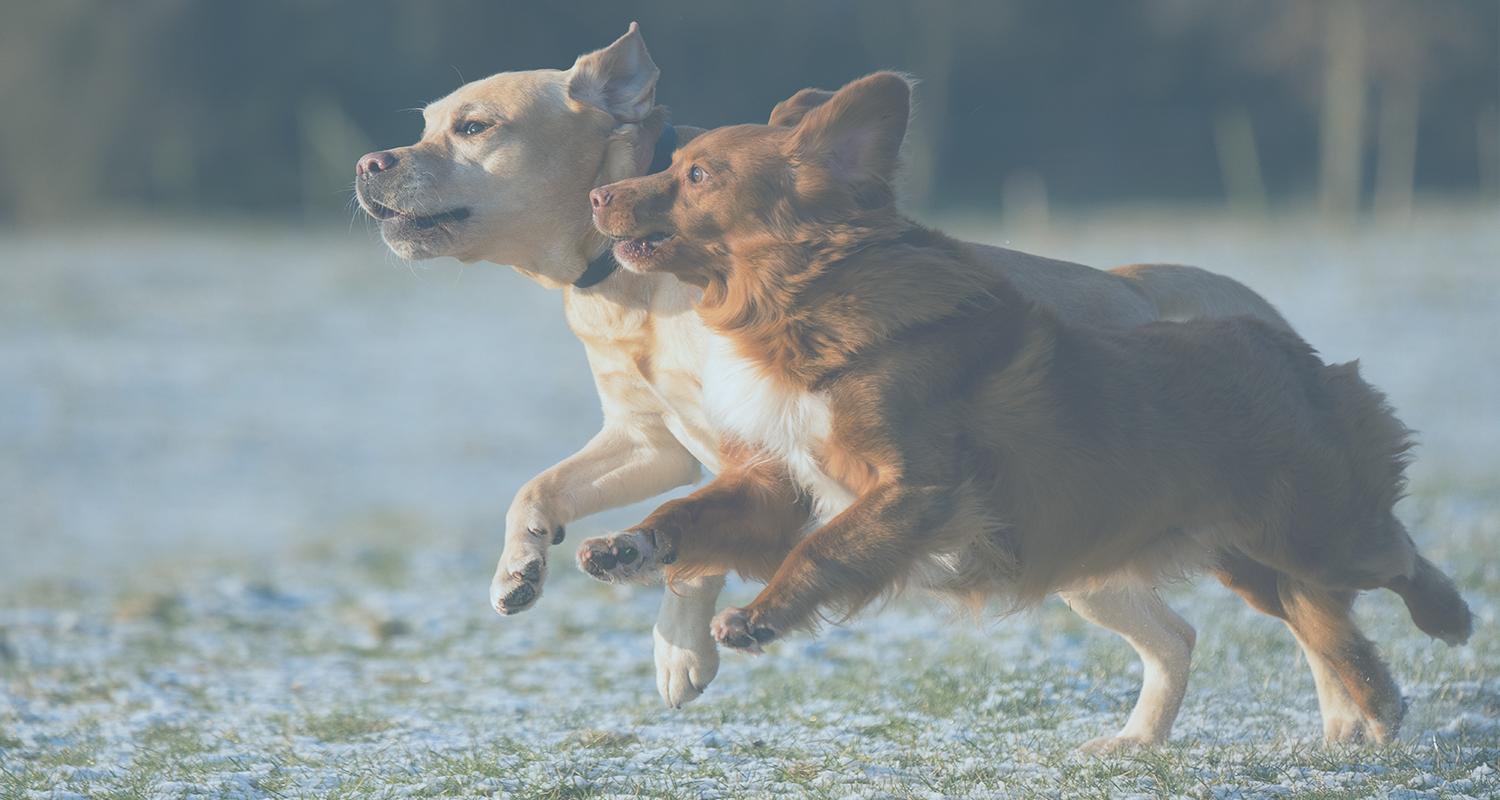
x=503, y=172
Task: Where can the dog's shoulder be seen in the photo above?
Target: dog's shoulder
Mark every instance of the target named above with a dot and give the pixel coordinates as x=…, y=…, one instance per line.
x=920, y=304
x=918, y=273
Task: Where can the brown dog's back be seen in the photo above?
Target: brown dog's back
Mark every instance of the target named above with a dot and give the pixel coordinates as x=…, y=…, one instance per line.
x=1154, y=447
x=1146, y=451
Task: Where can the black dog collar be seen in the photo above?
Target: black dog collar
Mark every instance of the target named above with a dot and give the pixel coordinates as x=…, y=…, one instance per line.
x=666, y=145
x=598, y=269
x=605, y=265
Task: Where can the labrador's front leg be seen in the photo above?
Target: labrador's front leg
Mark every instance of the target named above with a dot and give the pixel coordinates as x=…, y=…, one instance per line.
x=619, y=466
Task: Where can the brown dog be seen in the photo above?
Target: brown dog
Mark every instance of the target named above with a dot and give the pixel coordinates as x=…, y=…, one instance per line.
x=874, y=383
x=502, y=174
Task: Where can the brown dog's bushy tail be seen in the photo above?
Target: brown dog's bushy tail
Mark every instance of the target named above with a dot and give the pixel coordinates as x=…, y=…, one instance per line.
x=1377, y=443
x=1382, y=443
x=1434, y=603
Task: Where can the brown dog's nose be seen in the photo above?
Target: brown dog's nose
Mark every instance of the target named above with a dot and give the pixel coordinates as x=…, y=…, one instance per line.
x=600, y=197
x=371, y=163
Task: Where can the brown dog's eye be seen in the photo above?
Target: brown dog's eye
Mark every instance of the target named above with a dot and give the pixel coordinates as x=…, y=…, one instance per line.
x=472, y=128
x=696, y=175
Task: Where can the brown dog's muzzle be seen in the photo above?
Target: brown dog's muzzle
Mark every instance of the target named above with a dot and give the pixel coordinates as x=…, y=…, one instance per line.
x=633, y=207
x=630, y=211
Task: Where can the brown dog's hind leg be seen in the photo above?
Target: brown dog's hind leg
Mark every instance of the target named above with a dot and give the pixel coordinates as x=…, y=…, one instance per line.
x=1320, y=618
x=1343, y=719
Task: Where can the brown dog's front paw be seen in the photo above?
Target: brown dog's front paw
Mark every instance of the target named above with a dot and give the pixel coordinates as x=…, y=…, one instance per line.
x=624, y=556
x=736, y=629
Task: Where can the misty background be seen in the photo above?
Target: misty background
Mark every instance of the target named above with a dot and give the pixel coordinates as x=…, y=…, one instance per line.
x=193, y=106
x=206, y=352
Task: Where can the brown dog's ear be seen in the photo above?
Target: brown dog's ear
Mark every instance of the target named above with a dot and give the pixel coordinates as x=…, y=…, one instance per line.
x=857, y=134
x=790, y=111
x=620, y=79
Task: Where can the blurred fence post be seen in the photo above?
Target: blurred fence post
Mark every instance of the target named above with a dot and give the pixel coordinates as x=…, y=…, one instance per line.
x=330, y=144
x=934, y=57
x=1023, y=202
x=1396, y=147
x=1341, y=141
x=1239, y=160
x=1487, y=130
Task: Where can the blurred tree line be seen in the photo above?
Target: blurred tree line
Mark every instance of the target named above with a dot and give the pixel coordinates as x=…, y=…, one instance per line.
x=192, y=106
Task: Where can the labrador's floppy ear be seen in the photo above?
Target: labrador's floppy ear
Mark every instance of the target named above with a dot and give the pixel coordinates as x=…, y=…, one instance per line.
x=620, y=79
x=857, y=134
x=790, y=111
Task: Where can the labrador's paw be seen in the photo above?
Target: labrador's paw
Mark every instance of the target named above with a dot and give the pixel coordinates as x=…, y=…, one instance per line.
x=683, y=672
x=516, y=589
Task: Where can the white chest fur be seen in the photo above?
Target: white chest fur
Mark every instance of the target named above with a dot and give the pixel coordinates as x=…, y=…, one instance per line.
x=791, y=426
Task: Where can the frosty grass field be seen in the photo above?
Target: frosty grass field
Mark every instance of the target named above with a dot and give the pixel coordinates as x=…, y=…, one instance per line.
x=252, y=488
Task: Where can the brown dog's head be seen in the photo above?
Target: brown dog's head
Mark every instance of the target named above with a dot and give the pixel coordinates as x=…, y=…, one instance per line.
x=735, y=189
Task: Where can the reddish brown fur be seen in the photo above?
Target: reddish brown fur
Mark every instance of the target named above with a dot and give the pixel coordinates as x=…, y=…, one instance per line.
x=750, y=515
x=990, y=447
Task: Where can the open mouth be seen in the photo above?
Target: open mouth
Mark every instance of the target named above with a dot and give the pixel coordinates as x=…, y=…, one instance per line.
x=385, y=214
x=641, y=248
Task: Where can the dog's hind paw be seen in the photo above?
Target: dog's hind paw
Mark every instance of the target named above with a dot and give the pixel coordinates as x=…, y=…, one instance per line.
x=619, y=557
x=682, y=673
x=1112, y=745
x=1348, y=730
x=516, y=590
x=734, y=629
x=1356, y=731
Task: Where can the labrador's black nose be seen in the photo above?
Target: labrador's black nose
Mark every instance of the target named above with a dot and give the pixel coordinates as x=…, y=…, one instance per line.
x=371, y=163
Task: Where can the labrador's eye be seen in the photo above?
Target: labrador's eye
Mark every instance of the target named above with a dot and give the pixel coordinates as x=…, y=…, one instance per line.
x=472, y=128
x=696, y=175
